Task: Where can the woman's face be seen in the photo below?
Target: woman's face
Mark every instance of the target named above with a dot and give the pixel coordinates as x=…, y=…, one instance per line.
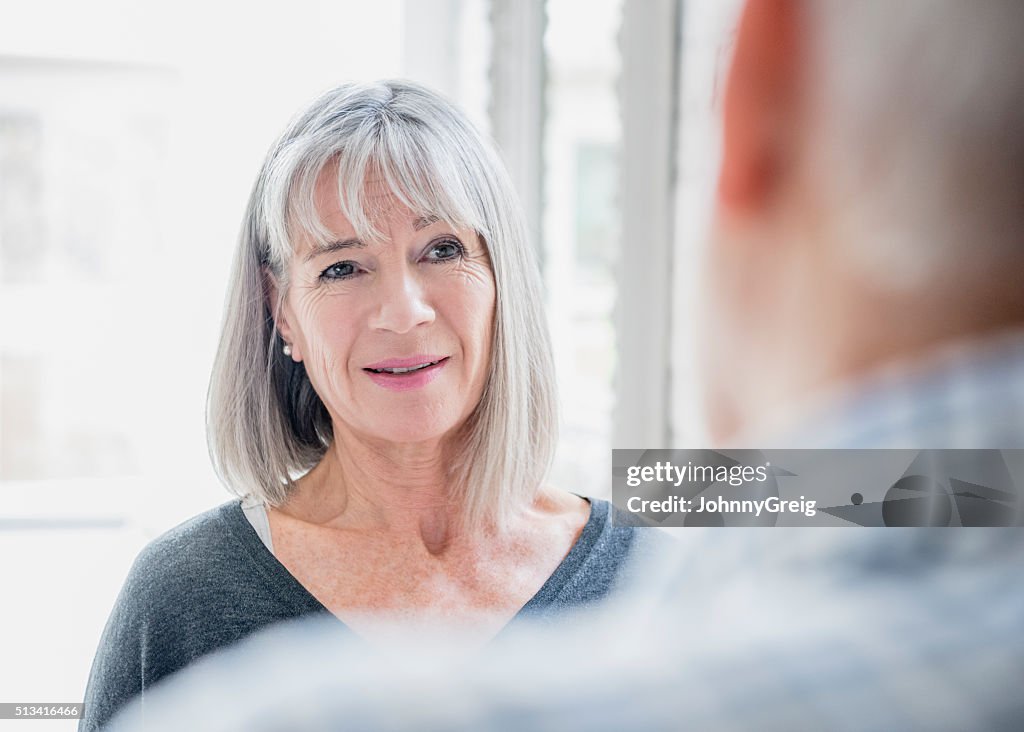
x=395, y=335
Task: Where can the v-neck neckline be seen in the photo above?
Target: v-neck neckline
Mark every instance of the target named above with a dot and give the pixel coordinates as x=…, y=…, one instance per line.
x=285, y=583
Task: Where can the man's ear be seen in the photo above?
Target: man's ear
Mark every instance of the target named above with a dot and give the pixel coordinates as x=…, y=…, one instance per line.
x=281, y=312
x=760, y=105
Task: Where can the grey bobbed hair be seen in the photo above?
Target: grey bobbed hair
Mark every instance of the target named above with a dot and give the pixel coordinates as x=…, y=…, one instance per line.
x=266, y=424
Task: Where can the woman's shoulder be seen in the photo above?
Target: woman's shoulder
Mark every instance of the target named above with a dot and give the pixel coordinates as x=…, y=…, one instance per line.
x=612, y=540
x=608, y=556
x=200, y=585
x=197, y=587
x=606, y=525
x=213, y=564
x=621, y=530
x=622, y=546
x=213, y=559
x=200, y=543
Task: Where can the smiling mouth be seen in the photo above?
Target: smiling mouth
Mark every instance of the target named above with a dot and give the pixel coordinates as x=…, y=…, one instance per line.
x=409, y=370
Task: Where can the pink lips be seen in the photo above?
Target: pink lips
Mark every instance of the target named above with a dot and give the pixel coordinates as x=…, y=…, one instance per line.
x=411, y=379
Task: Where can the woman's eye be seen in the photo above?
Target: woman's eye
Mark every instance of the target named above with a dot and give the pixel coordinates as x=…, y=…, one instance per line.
x=444, y=250
x=339, y=271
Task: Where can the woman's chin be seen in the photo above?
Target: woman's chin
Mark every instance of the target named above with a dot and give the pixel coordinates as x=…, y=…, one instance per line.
x=411, y=432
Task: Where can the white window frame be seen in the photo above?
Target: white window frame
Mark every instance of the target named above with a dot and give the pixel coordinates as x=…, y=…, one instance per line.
x=649, y=91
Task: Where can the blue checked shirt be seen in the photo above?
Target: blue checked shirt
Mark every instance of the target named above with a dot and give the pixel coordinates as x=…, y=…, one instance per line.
x=967, y=394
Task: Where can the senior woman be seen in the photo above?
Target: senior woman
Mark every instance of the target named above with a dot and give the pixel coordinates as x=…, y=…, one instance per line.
x=383, y=404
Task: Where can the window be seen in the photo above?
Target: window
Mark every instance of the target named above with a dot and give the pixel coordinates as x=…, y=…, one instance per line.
x=581, y=228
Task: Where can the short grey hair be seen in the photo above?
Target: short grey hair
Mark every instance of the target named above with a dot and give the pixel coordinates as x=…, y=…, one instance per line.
x=924, y=112
x=266, y=424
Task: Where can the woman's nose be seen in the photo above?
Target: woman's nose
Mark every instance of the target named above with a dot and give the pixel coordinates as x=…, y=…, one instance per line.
x=403, y=303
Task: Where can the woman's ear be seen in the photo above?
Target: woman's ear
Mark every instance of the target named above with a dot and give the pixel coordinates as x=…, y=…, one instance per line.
x=281, y=312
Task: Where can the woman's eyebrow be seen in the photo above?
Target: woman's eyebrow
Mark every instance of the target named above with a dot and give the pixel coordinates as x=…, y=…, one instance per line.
x=424, y=221
x=333, y=246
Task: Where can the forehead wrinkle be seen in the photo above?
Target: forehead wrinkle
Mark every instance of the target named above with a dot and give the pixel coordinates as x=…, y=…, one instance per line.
x=341, y=233
x=367, y=212
x=419, y=182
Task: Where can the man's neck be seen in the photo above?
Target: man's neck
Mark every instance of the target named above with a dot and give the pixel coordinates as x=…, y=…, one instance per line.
x=912, y=379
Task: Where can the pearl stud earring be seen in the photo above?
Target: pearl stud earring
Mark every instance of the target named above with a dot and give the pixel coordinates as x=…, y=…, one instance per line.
x=287, y=350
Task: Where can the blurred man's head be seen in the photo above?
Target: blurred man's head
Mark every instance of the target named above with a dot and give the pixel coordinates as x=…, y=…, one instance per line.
x=871, y=198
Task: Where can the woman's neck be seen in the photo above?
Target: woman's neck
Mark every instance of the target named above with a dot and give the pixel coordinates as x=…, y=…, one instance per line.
x=400, y=489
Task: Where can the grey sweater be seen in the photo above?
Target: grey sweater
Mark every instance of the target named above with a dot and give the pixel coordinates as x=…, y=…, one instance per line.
x=211, y=581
